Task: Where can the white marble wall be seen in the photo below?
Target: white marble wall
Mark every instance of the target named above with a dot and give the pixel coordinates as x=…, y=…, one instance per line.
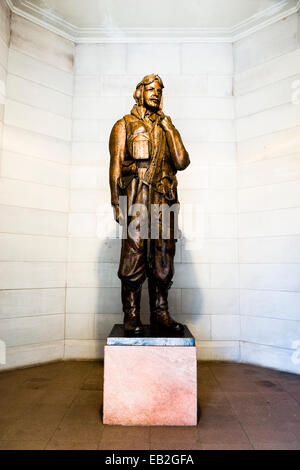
x=4, y=44
x=5, y=19
x=237, y=286
x=268, y=136
x=34, y=190
x=198, y=97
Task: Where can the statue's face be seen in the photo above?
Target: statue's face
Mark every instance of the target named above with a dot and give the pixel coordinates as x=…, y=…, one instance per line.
x=152, y=95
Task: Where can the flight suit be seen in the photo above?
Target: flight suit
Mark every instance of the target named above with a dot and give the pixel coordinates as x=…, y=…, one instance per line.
x=144, y=162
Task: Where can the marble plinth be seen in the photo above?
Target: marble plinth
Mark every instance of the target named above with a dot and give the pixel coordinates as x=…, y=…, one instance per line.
x=118, y=337
x=150, y=385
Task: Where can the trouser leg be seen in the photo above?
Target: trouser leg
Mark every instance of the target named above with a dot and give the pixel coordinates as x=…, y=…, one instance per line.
x=161, y=271
x=158, y=297
x=131, y=300
x=132, y=272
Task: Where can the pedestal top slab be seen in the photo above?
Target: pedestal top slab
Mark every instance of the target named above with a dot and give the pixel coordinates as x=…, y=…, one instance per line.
x=117, y=337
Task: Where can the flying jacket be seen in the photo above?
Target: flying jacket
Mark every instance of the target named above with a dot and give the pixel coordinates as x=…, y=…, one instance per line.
x=137, y=141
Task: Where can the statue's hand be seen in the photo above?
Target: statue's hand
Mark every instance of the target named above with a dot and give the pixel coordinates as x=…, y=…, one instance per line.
x=119, y=217
x=166, y=124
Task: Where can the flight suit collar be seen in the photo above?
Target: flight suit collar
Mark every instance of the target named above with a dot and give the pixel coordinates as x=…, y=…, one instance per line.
x=142, y=113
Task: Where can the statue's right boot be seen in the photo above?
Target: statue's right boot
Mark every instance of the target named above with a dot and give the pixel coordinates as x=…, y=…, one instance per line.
x=131, y=299
x=160, y=319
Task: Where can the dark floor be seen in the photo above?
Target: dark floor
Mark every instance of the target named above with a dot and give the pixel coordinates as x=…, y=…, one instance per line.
x=56, y=406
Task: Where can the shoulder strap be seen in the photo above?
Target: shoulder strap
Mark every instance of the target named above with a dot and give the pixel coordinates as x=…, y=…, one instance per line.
x=149, y=175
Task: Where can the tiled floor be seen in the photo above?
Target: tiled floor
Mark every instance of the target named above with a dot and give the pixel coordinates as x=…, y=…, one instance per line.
x=57, y=406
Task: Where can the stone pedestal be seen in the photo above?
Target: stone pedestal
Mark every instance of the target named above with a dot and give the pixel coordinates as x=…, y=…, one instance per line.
x=150, y=380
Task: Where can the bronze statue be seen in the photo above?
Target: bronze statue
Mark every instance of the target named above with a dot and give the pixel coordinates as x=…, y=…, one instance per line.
x=146, y=152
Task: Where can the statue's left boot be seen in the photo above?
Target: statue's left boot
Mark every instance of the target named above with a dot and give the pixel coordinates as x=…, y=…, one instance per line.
x=131, y=299
x=160, y=319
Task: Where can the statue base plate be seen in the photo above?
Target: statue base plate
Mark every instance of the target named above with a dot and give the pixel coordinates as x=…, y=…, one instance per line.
x=118, y=337
x=150, y=385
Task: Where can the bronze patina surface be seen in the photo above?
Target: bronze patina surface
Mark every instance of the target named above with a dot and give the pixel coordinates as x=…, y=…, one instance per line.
x=146, y=152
